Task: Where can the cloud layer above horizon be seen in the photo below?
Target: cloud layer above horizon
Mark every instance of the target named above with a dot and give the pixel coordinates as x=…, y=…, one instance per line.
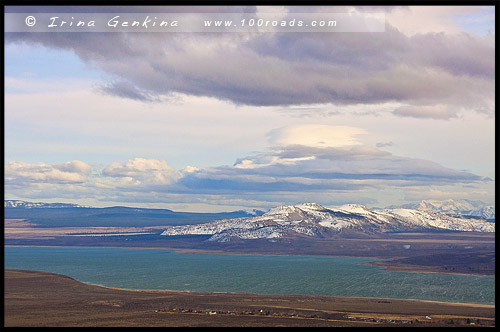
x=251, y=120
x=302, y=171
x=454, y=71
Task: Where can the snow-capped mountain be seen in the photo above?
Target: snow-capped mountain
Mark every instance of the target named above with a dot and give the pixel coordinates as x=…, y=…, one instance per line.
x=30, y=205
x=311, y=219
x=463, y=207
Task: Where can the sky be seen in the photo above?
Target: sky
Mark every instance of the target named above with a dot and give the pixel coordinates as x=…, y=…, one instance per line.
x=229, y=121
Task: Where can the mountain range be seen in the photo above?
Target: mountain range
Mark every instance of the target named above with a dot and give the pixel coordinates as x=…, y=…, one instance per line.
x=463, y=207
x=31, y=205
x=314, y=220
x=307, y=219
x=456, y=206
x=75, y=215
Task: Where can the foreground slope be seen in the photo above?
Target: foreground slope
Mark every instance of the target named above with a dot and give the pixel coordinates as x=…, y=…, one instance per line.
x=45, y=299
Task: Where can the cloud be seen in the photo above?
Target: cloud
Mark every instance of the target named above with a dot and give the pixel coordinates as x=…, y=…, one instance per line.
x=141, y=171
x=412, y=20
x=309, y=169
x=451, y=68
x=288, y=174
x=457, y=54
x=128, y=90
x=384, y=144
x=70, y=172
x=315, y=135
x=471, y=192
x=433, y=70
x=435, y=112
x=75, y=166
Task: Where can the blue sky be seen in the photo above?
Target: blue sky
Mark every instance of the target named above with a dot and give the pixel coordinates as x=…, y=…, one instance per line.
x=37, y=62
x=481, y=22
x=232, y=121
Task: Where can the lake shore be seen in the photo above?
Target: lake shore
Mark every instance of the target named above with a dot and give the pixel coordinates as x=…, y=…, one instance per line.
x=45, y=299
x=385, y=262
x=469, y=253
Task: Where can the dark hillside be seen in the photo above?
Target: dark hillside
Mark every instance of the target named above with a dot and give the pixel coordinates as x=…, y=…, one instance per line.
x=112, y=216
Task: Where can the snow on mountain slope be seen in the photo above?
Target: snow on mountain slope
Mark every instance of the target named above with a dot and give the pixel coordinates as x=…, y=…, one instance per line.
x=460, y=207
x=355, y=208
x=311, y=219
x=30, y=205
x=434, y=220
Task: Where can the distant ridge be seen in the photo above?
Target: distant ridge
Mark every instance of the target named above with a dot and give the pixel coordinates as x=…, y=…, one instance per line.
x=75, y=215
x=463, y=207
x=314, y=220
x=30, y=205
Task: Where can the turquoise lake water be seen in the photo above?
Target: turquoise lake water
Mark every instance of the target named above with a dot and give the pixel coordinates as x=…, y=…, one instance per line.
x=157, y=269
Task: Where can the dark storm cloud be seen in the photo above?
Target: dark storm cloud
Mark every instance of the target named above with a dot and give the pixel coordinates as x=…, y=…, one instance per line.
x=291, y=68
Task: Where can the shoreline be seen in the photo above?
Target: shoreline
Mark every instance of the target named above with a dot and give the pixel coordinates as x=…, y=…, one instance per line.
x=34, y=298
x=166, y=291
x=415, y=269
x=477, y=305
x=159, y=291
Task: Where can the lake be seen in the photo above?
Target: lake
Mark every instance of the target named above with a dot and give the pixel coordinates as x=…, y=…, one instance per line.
x=158, y=269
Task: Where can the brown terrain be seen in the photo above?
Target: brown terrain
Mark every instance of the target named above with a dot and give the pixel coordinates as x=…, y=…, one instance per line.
x=44, y=299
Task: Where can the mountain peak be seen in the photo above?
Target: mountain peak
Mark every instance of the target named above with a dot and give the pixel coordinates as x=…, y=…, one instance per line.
x=313, y=220
x=294, y=209
x=310, y=206
x=459, y=207
x=355, y=208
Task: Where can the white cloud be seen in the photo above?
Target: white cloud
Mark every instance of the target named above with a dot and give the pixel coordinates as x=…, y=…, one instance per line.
x=290, y=173
x=189, y=169
x=434, y=111
x=315, y=135
x=274, y=160
x=20, y=172
x=75, y=166
x=427, y=19
x=143, y=171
